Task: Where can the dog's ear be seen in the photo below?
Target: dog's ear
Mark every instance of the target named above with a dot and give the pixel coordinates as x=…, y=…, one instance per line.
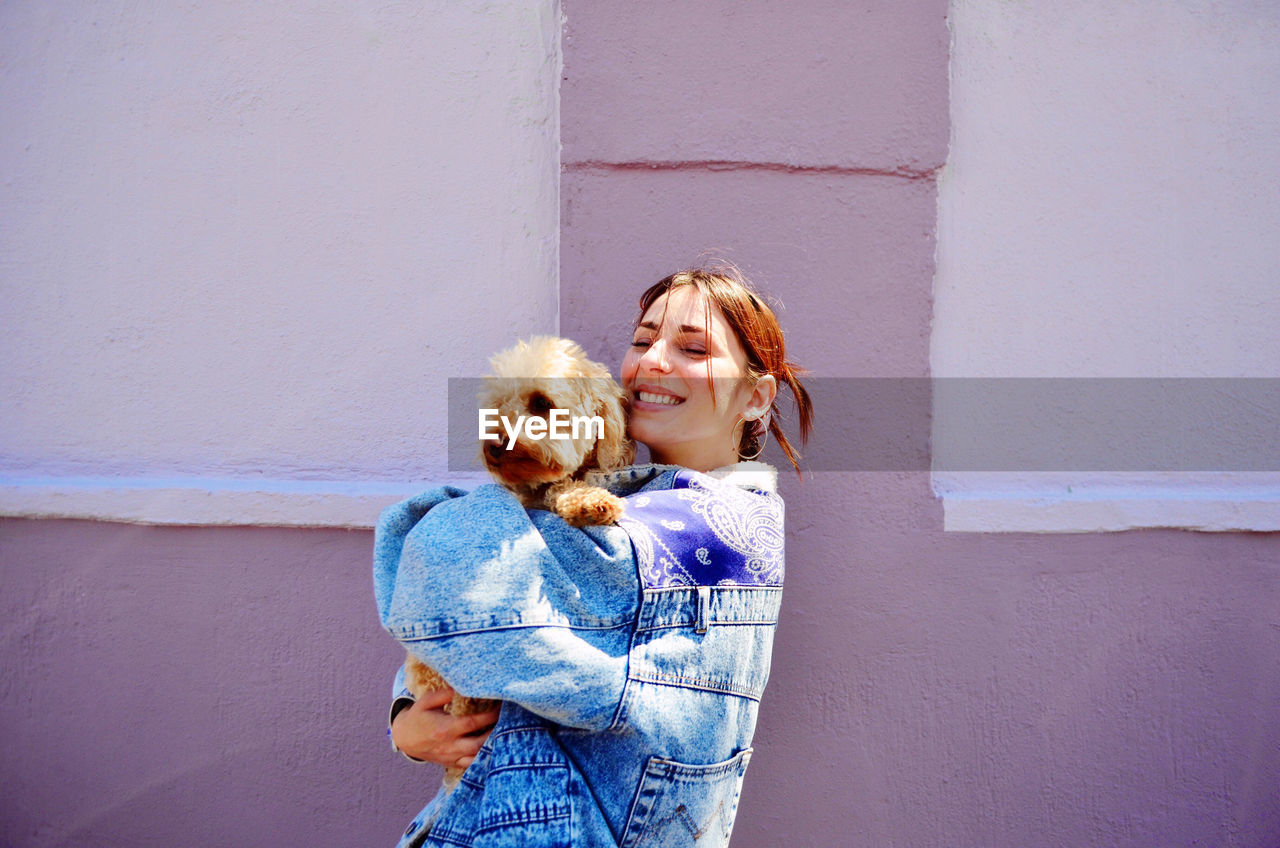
x=615, y=450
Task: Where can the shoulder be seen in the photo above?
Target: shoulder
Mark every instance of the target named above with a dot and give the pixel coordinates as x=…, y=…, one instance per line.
x=487, y=504
x=751, y=476
x=723, y=527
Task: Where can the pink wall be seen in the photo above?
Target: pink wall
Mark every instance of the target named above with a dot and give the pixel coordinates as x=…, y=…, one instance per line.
x=154, y=694
x=929, y=688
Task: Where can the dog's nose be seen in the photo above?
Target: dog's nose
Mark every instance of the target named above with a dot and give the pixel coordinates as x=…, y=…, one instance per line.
x=493, y=451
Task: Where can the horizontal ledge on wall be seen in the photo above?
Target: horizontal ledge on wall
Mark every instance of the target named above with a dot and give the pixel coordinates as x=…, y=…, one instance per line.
x=1108, y=508
x=211, y=501
x=900, y=172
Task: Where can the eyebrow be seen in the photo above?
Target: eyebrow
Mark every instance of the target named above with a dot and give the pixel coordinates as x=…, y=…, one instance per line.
x=683, y=328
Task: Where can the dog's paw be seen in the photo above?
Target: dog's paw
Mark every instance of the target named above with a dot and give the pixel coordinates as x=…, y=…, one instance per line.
x=589, y=507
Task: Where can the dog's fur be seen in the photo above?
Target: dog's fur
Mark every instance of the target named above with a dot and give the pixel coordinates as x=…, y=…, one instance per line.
x=530, y=379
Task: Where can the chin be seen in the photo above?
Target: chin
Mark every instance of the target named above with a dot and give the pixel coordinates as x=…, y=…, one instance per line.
x=654, y=441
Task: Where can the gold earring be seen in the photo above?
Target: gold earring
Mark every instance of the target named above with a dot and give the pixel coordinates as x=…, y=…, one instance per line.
x=738, y=450
x=735, y=440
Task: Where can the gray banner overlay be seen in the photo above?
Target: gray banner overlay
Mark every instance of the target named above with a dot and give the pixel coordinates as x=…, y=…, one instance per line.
x=1003, y=424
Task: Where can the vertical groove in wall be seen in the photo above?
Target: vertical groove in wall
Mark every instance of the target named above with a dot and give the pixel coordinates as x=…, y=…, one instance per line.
x=558, y=41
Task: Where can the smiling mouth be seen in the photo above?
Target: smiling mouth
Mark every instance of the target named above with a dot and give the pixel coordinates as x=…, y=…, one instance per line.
x=664, y=400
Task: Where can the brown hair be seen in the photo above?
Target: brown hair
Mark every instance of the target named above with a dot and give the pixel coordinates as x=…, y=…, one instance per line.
x=758, y=331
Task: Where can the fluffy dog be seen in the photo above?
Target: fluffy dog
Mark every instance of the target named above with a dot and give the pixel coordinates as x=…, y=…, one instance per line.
x=537, y=380
x=532, y=379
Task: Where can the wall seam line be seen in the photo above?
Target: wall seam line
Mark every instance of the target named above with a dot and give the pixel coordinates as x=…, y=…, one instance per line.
x=599, y=165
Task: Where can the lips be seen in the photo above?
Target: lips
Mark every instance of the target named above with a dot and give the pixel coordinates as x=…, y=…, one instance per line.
x=650, y=397
x=655, y=396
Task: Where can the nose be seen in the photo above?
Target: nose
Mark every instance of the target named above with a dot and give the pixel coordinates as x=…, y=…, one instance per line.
x=655, y=357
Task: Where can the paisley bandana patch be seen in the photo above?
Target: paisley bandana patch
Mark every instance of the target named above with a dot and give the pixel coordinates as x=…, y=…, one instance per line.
x=704, y=532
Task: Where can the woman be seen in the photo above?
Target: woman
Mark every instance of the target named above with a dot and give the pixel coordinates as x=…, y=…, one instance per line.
x=630, y=659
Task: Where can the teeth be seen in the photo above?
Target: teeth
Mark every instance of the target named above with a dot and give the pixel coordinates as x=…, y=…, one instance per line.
x=666, y=400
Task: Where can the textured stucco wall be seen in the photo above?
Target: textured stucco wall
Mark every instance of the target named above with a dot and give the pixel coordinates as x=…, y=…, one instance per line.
x=249, y=241
x=242, y=246
x=195, y=686
x=799, y=140
x=928, y=688
x=1109, y=205
x=228, y=686
x=1109, y=210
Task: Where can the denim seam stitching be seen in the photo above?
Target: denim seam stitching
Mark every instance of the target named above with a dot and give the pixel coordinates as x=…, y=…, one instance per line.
x=675, y=768
x=526, y=766
x=448, y=837
x=690, y=683
x=643, y=789
x=713, y=622
x=524, y=728
x=685, y=587
x=519, y=819
x=410, y=635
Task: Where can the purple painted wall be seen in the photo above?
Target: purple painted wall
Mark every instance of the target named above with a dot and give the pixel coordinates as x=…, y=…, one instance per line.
x=153, y=693
x=929, y=689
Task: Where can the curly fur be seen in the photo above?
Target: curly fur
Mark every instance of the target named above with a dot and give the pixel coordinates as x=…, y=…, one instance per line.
x=553, y=372
x=529, y=379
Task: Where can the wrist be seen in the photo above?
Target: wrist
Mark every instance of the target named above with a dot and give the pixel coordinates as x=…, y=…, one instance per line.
x=398, y=706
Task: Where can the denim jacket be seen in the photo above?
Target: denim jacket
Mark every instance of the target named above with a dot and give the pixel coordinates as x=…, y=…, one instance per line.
x=630, y=658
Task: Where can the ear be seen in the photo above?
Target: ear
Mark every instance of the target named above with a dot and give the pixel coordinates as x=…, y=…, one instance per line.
x=761, y=398
x=615, y=450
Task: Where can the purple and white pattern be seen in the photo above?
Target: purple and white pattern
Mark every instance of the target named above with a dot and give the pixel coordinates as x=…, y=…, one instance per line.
x=705, y=532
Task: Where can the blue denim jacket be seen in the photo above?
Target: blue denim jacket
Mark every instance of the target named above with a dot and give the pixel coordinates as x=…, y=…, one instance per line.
x=630, y=659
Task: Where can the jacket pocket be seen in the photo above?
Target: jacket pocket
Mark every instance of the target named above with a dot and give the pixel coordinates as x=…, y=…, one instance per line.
x=679, y=804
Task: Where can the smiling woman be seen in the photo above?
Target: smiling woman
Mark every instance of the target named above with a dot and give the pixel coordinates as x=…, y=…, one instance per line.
x=703, y=371
x=629, y=658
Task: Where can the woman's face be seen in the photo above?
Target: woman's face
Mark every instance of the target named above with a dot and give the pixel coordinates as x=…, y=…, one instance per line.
x=665, y=373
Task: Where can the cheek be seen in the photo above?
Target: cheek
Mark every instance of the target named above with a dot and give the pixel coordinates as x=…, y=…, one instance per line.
x=630, y=362
x=728, y=397
x=700, y=396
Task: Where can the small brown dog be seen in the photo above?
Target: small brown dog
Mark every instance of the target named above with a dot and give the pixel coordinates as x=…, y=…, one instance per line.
x=536, y=381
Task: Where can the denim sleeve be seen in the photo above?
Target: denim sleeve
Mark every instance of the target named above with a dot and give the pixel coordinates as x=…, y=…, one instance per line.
x=510, y=604
x=401, y=698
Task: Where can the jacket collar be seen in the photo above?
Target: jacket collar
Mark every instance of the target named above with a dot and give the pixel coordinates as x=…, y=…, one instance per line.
x=749, y=475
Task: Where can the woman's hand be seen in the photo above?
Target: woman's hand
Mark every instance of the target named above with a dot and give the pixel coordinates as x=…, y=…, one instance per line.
x=424, y=731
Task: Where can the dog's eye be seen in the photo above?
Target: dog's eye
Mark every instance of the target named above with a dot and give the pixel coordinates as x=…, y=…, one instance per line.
x=540, y=404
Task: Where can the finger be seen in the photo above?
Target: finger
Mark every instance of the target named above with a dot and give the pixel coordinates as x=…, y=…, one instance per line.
x=445, y=754
x=477, y=721
x=435, y=699
x=467, y=746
